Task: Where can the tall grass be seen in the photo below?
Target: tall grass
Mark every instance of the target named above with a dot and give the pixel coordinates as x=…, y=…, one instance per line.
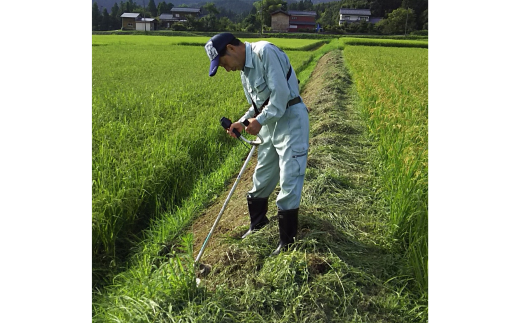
x=393, y=86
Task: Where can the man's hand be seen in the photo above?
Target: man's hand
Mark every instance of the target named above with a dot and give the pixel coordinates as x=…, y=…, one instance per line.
x=236, y=125
x=254, y=127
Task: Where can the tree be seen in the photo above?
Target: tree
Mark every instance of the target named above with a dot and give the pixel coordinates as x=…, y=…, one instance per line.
x=419, y=7
x=398, y=21
x=380, y=8
x=210, y=22
x=251, y=23
x=192, y=23
x=233, y=16
x=152, y=8
x=226, y=24
x=265, y=7
x=355, y=4
x=96, y=17
x=210, y=8
x=162, y=8
x=424, y=20
x=114, y=17
x=105, y=20
x=301, y=5
x=328, y=14
x=129, y=6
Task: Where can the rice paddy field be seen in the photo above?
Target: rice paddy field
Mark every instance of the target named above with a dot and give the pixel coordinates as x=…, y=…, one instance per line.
x=155, y=128
x=160, y=156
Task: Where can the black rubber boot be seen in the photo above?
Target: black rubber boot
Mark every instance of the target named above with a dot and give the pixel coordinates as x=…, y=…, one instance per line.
x=257, y=213
x=288, y=224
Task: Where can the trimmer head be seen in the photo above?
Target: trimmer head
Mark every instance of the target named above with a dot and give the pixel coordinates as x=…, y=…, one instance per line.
x=204, y=270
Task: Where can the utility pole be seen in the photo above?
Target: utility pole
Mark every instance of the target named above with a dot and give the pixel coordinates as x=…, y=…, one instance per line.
x=406, y=23
x=262, y=18
x=144, y=17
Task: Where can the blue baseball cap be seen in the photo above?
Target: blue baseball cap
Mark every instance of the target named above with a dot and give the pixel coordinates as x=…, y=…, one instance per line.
x=214, y=46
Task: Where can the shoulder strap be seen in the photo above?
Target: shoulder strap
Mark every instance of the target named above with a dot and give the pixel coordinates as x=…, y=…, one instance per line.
x=257, y=112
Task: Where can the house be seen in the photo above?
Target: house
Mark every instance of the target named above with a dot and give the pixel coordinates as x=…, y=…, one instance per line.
x=293, y=21
x=146, y=24
x=128, y=20
x=347, y=16
x=177, y=15
x=280, y=21
x=134, y=21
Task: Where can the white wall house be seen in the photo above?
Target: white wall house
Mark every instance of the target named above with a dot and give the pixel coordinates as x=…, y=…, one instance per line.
x=145, y=24
x=134, y=21
x=356, y=15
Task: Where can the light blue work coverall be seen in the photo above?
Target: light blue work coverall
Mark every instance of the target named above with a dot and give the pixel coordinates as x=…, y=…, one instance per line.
x=285, y=130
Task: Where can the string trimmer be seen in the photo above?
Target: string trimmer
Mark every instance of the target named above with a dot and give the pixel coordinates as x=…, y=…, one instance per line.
x=226, y=123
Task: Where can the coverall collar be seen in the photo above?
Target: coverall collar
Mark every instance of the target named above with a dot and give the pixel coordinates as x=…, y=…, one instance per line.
x=249, y=56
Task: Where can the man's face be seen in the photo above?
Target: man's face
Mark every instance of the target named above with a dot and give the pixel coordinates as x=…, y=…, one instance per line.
x=231, y=61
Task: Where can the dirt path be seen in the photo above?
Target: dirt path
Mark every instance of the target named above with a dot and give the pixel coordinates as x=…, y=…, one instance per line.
x=234, y=217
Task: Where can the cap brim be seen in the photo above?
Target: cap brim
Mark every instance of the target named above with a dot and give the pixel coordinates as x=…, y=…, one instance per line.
x=214, y=66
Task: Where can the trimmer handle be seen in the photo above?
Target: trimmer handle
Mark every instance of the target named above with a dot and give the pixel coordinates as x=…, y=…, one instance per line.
x=226, y=123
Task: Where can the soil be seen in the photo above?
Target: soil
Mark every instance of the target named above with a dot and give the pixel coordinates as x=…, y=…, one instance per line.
x=235, y=216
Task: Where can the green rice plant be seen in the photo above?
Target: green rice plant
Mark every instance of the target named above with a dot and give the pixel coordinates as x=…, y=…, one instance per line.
x=392, y=84
x=154, y=291
x=155, y=130
x=384, y=42
x=397, y=37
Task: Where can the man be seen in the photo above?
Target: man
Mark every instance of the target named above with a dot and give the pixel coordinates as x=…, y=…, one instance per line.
x=278, y=114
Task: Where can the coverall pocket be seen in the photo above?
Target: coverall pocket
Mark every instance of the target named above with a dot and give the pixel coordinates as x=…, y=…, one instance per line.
x=300, y=158
x=260, y=85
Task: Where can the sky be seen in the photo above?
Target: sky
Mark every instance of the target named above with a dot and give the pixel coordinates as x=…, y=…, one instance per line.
x=46, y=165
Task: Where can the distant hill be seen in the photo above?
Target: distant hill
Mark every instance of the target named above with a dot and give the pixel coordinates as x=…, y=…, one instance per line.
x=237, y=6
x=233, y=5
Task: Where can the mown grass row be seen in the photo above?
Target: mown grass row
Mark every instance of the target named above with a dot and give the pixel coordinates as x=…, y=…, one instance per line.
x=155, y=132
x=393, y=86
x=339, y=270
x=309, y=61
